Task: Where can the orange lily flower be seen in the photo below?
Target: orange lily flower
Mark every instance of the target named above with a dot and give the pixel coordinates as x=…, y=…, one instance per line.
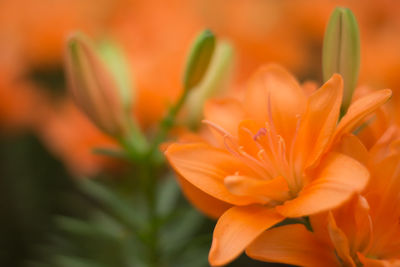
x=365, y=231
x=271, y=157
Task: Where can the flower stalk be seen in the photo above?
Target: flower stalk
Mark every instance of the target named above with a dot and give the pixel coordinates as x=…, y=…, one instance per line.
x=198, y=62
x=95, y=89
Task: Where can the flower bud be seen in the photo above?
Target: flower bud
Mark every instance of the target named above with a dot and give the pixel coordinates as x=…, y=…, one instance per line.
x=113, y=55
x=213, y=84
x=93, y=87
x=341, y=51
x=199, y=58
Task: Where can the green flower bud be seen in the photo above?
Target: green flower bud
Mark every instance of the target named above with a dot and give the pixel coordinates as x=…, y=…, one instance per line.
x=341, y=51
x=213, y=84
x=199, y=59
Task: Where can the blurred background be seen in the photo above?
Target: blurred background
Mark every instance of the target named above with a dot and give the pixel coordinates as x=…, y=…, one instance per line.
x=46, y=143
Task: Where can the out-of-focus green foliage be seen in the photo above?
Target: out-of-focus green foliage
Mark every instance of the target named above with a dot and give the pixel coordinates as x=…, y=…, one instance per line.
x=115, y=232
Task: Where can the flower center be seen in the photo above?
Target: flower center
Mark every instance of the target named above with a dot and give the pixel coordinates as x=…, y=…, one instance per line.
x=264, y=150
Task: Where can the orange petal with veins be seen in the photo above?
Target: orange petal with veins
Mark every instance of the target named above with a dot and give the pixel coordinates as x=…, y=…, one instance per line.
x=206, y=167
x=237, y=228
x=292, y=244
x=338, y=178
x=272, y=90
x=207, y=204
x=318, y=122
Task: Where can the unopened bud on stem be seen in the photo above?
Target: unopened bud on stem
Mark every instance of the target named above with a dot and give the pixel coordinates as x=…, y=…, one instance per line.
x=93, y=87
x=341, y=51
x=197, y=64
x=113, y=56
x=213, y=84
x=199, y=59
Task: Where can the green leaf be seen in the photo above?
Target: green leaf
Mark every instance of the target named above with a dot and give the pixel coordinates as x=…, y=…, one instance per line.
x=341, y=51
x=194, y=256
x=168, y=194
x=119, y=154
x=116, y=206
x=101, y=226
x=74, y=226
x=70, y=261
x=199, y=58
x=179, y=232
x=36, y=264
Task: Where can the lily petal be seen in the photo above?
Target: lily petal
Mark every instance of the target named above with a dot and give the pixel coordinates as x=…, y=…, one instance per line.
x=274, y=91
x=207, y=204
x=292, y=244
x=368, y=262
x=352, y=146
x=205, y=167
x=360, y=109
x=226, y=113
x=275, y=189
x=237, y=228
x=318, y=122
x=337, y=179
x=340, y=242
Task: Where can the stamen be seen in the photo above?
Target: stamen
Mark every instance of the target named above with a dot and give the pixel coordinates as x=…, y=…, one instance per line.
x=271, y=120
x=282, y=151
x=262, y=155
x=271, y=143
x=238, y=152
x=296, y=133
x=292, y=167
x=260, y=132
x=274, y=162
x=217, y=128
x=255, y=163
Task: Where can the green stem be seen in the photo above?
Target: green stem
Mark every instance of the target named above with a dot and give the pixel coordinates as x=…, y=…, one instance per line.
x=134, y=142
x=148, y=159
x=153, y=161
x=168, y=122
x=149, y=181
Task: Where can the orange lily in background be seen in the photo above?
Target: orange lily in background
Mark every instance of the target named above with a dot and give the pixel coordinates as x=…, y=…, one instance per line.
x=261, y=31
x=156, y=34
x=32, y=36
x=364, y=231
x=17, y=97
x=38, y=38
x=290, y=32
x=72, y=137
x=38, y=28
x=272, y=157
